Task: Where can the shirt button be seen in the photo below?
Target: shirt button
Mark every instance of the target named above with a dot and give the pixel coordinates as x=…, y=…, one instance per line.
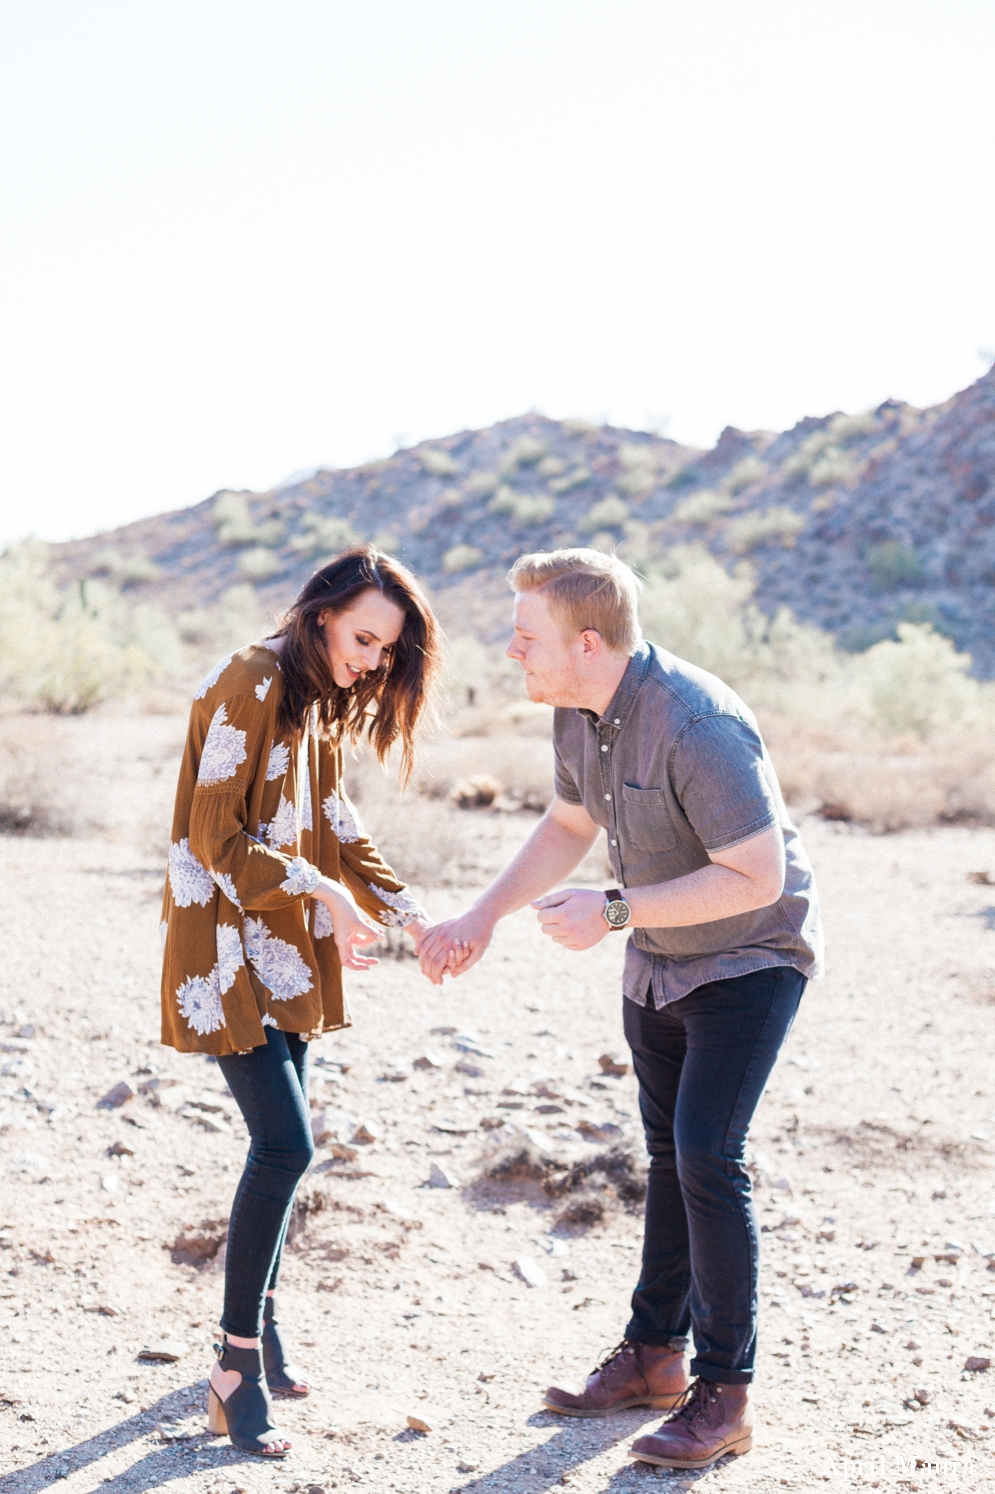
x=617, y=721
x=608, y=796
x=604, y=749
x=614, y=842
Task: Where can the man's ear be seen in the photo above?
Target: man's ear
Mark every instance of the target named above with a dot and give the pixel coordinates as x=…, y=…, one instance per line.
x=590, y=644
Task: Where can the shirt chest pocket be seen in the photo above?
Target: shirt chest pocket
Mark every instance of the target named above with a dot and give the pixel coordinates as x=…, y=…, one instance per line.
x=647, y=822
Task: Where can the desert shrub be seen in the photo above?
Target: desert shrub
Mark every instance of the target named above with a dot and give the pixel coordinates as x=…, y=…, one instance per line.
x=525, y=452
x=744, y=474
x=125, y=570
x=462, y=558
x=483, y=483
x=637, y=483
x=437, y=462
x=702, y=507
x=232, y=518
x=894, y=564
x=847, y=427
x=67, y=651
x=324, y=534
x=752, y=529
x=570, y=480
x=576, y=425
x=259, y=564
x=524, y=508
x=609, y=513
x=822, y=458
x=551, y=466
x=232, y=622
x=468, y=667
x=917, y=683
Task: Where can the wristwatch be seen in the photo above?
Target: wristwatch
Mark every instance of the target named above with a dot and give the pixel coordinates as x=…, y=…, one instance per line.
x=616, y=911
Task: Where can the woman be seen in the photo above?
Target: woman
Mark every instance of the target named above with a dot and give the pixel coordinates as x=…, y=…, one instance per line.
x=272, y=888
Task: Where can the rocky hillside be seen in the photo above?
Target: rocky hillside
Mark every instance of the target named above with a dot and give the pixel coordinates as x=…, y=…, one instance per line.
x=856, y=522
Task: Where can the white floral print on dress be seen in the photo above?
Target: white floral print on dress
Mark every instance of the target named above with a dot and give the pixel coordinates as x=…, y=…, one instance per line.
x=163, y=931
x=323, y=925
x=199, y=1000
x=279, y=757
x=301, y=877
x=189, y=881
x=269, y=1021
x=230, y=956
x=227, y=886
x=341, y=814
x=263, y=690
x=212, y=678
x=282, y=828
x=277, y=963
x=402, y=907
x=224, y=750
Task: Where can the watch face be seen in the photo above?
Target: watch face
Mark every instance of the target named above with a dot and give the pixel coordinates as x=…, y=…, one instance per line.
x=617, y=913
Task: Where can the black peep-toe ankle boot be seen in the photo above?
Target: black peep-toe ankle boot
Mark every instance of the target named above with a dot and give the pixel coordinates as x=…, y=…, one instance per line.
x=245, y=1415
x=281, y=1377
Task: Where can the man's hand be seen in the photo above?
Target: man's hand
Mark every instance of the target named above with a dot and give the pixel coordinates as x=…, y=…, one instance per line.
x=573, y=917
x=451, y=948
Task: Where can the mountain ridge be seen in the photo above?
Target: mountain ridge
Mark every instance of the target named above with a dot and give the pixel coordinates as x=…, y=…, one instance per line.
x=853, y=521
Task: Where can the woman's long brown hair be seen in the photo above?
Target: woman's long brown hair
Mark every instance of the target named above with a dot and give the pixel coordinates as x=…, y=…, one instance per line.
x=385, y=704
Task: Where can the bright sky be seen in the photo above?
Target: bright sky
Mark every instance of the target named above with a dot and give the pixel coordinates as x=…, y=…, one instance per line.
x=244, y=237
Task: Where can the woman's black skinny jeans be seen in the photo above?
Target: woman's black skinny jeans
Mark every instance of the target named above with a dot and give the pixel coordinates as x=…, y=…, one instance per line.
x=270, y=1088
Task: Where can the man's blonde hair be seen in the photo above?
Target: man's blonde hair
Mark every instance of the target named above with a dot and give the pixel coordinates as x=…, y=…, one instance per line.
x=585, y=589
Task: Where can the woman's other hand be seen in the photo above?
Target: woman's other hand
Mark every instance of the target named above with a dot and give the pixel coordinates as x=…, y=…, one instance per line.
x=351, y=928
x=451, y=948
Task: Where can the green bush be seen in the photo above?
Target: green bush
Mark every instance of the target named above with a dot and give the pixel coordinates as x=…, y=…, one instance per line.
x=918, y=684
x=324, y=534
x=576, y=425
x=743, y=475
x=483, y=484
x=438, y=462
x=551, y=466
x=570, y=480
x=750, y=530
x=232, y=622
x=610, y=513
x=684, y=477
x=525, y=452
x=894, y=564
x=125, y=570
x=462, y=558
x=258, y=564
x=701, y=507
x=232, y=518
x=524, y=508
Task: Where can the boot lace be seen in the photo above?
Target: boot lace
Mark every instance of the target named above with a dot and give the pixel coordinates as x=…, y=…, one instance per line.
x=698, y=1404
x=625, y=1347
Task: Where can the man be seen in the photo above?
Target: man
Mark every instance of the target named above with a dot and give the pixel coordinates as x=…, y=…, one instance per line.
x=714, y=885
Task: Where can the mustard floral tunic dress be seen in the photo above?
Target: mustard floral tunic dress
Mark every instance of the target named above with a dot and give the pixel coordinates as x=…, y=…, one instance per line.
x=259, y=816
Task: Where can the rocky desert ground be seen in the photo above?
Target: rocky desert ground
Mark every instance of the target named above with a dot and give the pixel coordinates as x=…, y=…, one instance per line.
x=470, y=1231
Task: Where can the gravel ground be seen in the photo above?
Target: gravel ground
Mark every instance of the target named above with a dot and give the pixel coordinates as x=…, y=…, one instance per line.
x=873, y=1155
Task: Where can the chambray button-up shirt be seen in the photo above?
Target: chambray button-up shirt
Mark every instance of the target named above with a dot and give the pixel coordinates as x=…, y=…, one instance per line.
x=674, y=769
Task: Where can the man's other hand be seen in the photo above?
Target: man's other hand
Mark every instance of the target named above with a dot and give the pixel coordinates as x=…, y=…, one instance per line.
x=573, y=917
x=453, y=947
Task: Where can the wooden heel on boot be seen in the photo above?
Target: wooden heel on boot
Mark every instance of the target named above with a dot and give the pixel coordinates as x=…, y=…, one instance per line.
x=217, y=1422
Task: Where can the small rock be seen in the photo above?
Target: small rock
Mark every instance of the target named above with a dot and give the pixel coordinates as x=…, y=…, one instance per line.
x=606, y=1131
x=463, y=1467
x=441, y=1177
x=472, y=1045
x=393, y=1076
x=444, y=1031
x=119, y=1150
x=609, y=1064
x=471, y=1070
x=977, y=1362
x=166, y=1352
x=428, y=1061
x=550, y=1109
x=529, y=1271
x=923, y=1395
x=105, y=1310
x=365, y=1134
x=109, y=1183
x=117, y=1096
x=342, y=1152
x=419, y=1424
x=27, y=1030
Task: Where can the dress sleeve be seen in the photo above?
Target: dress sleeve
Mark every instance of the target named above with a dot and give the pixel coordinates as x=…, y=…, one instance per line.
x=364, y=871
x=252, y=875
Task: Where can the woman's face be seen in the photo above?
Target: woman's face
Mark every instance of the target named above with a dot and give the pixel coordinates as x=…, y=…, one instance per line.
x=355, y=640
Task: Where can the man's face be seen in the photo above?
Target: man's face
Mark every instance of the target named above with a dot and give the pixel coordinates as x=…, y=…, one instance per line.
x=550, y=661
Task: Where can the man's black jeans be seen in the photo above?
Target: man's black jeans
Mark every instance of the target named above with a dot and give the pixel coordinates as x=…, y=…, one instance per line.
x=270, y=1088
x=702, y=1063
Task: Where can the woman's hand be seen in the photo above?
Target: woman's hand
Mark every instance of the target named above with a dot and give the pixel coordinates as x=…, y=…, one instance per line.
x=451, y=948
x=350, y=925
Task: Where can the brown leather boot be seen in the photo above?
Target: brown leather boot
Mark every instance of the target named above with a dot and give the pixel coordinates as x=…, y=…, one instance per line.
x=714, y=1420
x=631, y=1375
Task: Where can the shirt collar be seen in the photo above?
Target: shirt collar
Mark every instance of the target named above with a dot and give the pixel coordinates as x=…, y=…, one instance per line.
x=628, y=688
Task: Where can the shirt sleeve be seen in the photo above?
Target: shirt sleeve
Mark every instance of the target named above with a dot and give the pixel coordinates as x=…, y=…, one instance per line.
x=564, y=783
x=364, y=871
x=252, y=875
x=720, y=778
